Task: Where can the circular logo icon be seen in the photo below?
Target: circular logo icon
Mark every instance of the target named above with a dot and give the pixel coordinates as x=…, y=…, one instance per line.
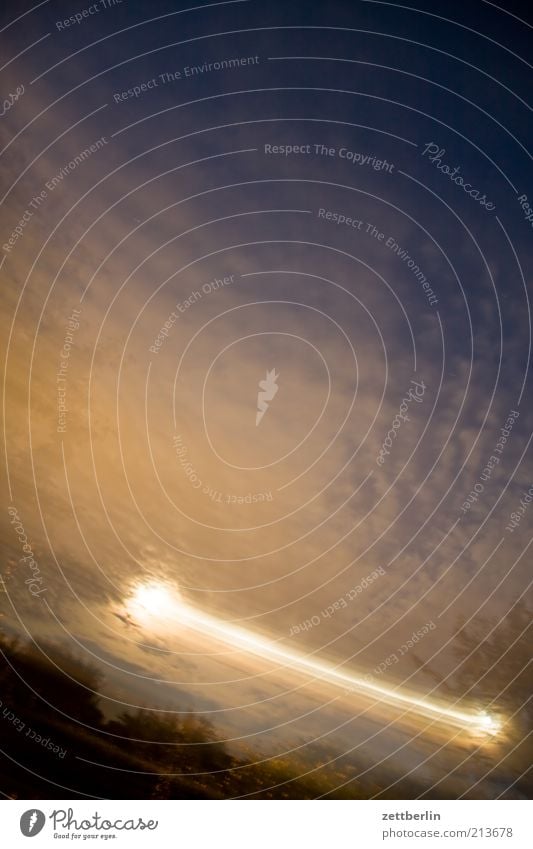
x=32, y=822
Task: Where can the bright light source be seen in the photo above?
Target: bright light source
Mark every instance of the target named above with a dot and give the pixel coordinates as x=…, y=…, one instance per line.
x=488, y=723
x=160, y=607
x=153, y=602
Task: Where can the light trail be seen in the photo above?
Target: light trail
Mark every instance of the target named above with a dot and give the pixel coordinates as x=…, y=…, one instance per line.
x=157, y=606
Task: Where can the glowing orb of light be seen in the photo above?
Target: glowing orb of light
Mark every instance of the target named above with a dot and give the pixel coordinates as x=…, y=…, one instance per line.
x=488, y=724
x=154, y=603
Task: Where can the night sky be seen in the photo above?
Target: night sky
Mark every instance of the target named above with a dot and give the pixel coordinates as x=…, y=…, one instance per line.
x=266, y=340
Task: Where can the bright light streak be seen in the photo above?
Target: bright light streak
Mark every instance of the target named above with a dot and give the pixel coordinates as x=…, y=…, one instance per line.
x=157, y=605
